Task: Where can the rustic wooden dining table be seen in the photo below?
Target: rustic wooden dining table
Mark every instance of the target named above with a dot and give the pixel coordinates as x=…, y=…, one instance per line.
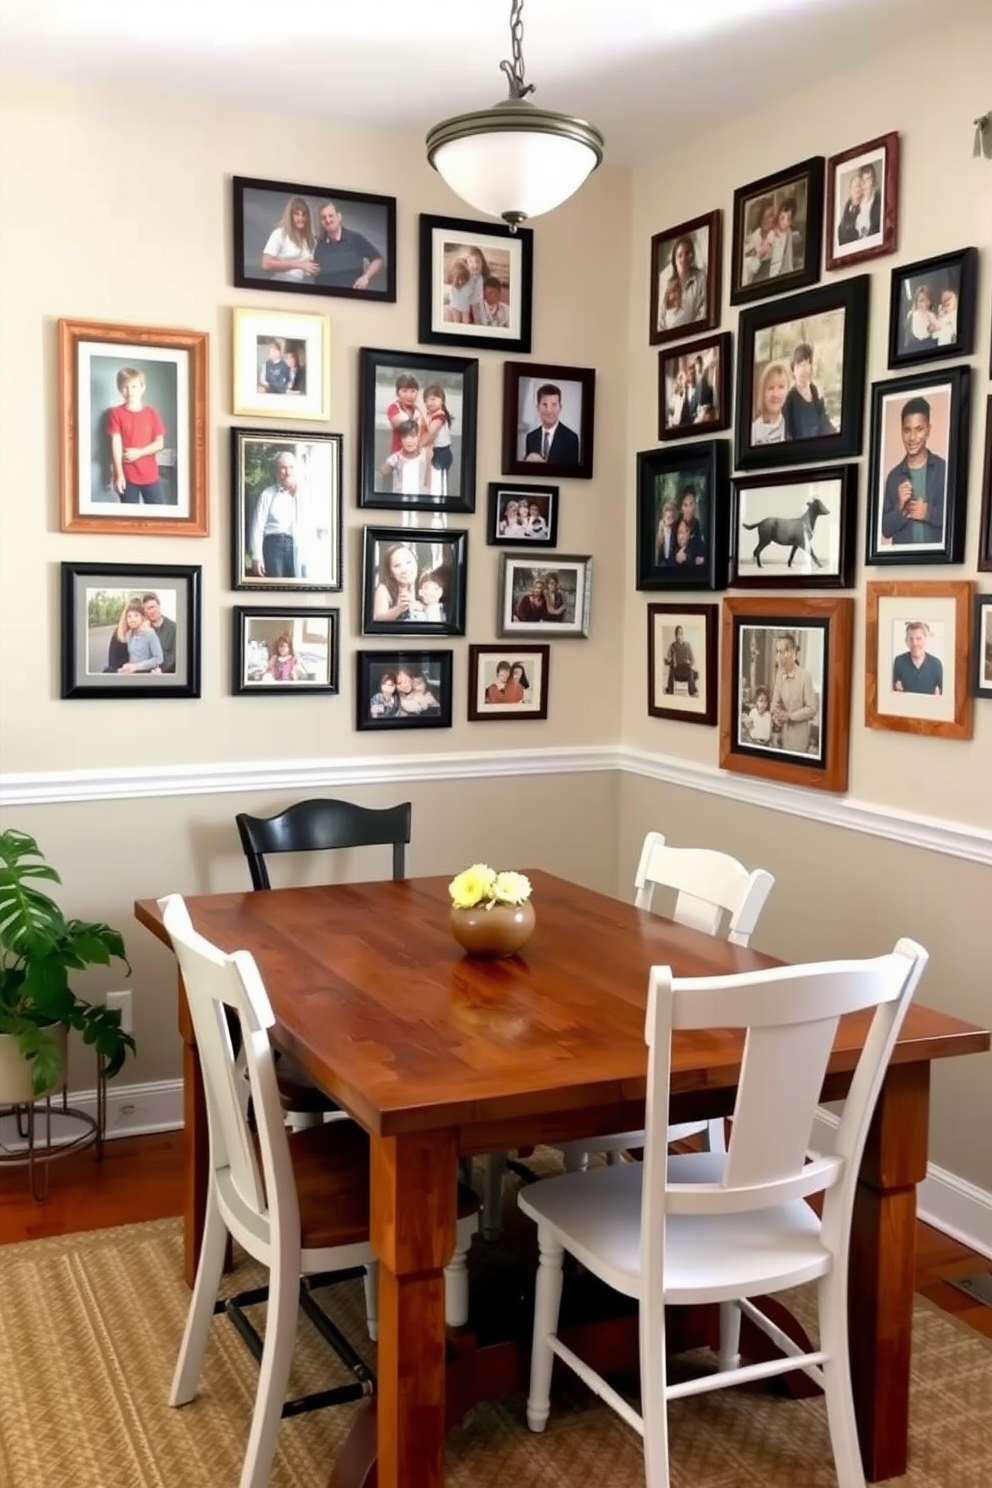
x=438, y=1056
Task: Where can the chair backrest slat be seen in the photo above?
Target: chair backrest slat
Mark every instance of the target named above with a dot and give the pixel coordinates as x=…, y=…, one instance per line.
x=709, y=885
x=322, y=824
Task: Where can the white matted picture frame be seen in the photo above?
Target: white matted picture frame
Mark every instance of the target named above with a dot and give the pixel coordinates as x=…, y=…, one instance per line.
x=917, y=659
x=547, y=599
x=476, y=284
x=281, y=364
x=508, y=682
x=683, y=684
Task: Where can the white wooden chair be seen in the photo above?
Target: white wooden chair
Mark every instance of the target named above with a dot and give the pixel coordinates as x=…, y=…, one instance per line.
x=730, y=1226
x=710, y=886
x=297, y=1202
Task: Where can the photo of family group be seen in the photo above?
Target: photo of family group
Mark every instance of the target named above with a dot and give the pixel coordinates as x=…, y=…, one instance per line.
x=417, y=431
x=685, y=279
x=780, y=689
x=130, y=629
x=522, y=516
x=403, y=689
x=777, y=232
x=285, y=650
x=505, y=685
x=313, y=239
x=287, y=510
x=694, y=386
x=475, y=284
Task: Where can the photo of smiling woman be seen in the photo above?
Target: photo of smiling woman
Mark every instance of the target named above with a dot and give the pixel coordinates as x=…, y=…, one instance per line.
x=412, y=584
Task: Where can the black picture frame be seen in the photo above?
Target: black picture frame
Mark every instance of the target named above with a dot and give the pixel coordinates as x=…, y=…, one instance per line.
x=981, y=646
x=784, y=506
x=753, y=245
x=768, y=337
x=670, y=322
x=95, y=596
x=683, y=688
x=446, y=248
x=665, y=480
x=677, y=418
x=435, y=667
x=570, y=454
x=945, y=274
x=985, y=524
x=440, y=556
x=258, y=467
x=508, y=683
x=258, y=209
x=437, y=489
x=503, y=530
x=267, y=638
x=946, y=391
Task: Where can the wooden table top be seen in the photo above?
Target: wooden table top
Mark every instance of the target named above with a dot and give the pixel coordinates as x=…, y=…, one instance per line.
x=385, y=1011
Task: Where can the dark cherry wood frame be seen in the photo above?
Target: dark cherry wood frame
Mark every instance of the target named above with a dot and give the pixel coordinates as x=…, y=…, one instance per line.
x=72, y=333
x=724, y=341
x=961, y=591
x=847, y=475
x=507, y=712
x=985, y=524
x=475, y=1102
x=710, y=615
x=713, y=221
x=544, y=372
x=887, y=144
x=836, y=616
x=812, y=169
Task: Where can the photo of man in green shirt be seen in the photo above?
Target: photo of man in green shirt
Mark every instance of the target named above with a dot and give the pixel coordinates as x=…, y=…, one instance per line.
x=915, y=670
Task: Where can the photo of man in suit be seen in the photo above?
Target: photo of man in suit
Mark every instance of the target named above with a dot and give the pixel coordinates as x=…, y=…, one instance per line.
x=552, y=442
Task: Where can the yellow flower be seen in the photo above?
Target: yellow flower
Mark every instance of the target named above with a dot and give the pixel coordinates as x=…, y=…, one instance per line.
x=472, y=886
x=511, y=888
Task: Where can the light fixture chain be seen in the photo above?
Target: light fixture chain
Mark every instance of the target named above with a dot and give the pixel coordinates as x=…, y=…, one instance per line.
x=515, y=70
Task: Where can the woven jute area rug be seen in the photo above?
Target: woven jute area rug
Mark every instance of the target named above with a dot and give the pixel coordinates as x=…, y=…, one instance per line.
x=90, y=1326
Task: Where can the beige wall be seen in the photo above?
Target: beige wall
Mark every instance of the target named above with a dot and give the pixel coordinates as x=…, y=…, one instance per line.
x=167, y=170
x=945, y=202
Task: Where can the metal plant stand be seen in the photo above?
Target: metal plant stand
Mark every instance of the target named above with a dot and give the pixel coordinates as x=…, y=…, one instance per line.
x=35, y=1148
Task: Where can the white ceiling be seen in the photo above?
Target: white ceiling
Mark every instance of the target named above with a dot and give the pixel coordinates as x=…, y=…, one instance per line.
x=643, y=71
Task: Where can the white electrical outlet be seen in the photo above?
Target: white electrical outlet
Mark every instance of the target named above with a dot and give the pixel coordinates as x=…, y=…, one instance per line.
x=122, y=1002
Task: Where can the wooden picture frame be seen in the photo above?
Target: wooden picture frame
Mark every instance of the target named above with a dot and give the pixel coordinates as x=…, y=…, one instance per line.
x=508, y=683
x=804, y=524
x=863, y=202
x=985, y=524
x=264, y=463
x=476, y=284
x=523, y=588
x=932, y=407
x=687, y=302
x=413, y=581
x=778, y=233
x=777, y=424
x=694, y=388
x=932, y=309
x=683, y=684
x=283, y=650
x=337, y=237
x=282, y=364
x=170, y=385
x=397, y=472
x=99, y=658
x=418, y=696
x=682, y=516
x=559, y=401
x=917, y=633
x=799, y=732
x=981, y=646
x=505, y=528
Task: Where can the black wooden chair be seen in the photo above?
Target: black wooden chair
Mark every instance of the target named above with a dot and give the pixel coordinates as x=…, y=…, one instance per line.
x=317, y=826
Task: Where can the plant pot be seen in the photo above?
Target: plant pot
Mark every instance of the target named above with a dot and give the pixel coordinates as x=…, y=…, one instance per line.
x=16, y=1071
x=499, y=931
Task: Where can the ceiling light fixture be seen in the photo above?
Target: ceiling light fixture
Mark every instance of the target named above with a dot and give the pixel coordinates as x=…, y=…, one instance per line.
x=514, y=160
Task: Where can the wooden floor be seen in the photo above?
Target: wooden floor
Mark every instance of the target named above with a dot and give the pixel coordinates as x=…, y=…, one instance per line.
x=140, y=1179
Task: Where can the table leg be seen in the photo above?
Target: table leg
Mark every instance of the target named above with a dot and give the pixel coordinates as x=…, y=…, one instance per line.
x=413, y=1233
x=196, y=1143
x=883, y=1239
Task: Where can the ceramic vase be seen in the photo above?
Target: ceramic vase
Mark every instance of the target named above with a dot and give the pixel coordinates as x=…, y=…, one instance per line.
x=499, y=931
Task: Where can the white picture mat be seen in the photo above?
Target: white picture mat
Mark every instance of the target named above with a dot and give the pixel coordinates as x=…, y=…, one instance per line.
x=252, y=326
x=176, y=439
x=895, y=612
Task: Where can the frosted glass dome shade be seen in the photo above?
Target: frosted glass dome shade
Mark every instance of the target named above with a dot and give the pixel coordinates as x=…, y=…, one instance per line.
x=514, y=161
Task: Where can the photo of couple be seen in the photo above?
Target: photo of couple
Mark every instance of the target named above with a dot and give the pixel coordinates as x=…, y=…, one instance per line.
x=313, y=239
x=692, y=390
x=798, y=382
x=131, y=634
x=507, y=685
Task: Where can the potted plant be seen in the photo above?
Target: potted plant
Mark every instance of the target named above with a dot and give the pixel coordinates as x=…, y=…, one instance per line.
x=39, y=948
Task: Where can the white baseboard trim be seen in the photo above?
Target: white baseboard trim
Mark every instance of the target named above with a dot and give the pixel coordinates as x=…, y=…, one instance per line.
x=954, y=839
x=132, y=1111
x=951, y=1204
